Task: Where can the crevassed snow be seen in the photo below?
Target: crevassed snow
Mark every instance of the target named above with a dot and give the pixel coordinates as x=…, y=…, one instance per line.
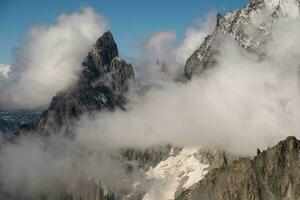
x=168, y=174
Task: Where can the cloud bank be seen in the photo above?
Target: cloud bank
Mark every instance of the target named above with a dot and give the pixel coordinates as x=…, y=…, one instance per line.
x=36, y=167
x=245, y=102
x=49, y=58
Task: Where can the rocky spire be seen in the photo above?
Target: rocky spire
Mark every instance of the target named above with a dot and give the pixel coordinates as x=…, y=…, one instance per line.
x=101, y=86
x=99, y=57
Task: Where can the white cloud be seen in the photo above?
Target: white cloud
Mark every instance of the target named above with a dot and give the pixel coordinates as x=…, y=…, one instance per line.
x=47, y=166
x=165, y=47
x=161, y=44
x=4, y=70
x=243, y=103
x=194, y=36
x=49, y=58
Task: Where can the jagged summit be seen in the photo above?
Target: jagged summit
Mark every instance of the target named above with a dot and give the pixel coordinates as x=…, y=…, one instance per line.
x=249, y=26
x=101, y=86
x=272, y=174
x=100, y=57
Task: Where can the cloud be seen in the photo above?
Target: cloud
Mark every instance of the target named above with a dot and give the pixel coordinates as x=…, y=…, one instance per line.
x=4, y=70
x=160, y=44
x=245, y=102
x=49, y=58
x=164, y=46
x=35, y=167
x=194, y=37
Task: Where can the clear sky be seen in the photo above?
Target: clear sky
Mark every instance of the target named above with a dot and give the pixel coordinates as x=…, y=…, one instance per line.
x=130, y=20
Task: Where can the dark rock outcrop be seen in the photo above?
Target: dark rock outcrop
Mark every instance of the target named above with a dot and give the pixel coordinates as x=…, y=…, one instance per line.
x=273, y=174
x=101, y=86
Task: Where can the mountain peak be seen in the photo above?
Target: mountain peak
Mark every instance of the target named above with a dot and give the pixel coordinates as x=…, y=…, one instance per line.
x=106, y=36
x=101, y=85
x=249, y=26
x=107, y=43
x=99, y=57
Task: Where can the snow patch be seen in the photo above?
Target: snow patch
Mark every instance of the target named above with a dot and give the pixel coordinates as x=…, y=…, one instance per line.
x=170, y=173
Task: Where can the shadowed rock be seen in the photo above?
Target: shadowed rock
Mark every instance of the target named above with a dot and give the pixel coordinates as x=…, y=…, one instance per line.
x=101, y=87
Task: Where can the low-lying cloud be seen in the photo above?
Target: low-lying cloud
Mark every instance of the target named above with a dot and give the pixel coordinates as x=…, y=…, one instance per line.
x=243, y=103
x=49, y=58
x=56, y=166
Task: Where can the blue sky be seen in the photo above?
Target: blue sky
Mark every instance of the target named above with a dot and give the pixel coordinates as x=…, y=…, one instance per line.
x=130, y=21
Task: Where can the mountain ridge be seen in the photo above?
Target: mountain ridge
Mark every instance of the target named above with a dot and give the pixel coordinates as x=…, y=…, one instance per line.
x=271, y=174
x=245, y=26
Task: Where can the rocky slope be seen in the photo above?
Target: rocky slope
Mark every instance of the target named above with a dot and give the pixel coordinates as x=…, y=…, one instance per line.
x=101, y=86
x=249, y=26
x=273, y=174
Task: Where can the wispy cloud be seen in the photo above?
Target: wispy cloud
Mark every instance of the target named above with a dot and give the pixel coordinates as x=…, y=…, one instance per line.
x=165, y=47
x=49, y=58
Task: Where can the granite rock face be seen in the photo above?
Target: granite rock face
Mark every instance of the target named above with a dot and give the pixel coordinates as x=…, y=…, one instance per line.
x=249, y=27
x=273, y=174
x=101, y=87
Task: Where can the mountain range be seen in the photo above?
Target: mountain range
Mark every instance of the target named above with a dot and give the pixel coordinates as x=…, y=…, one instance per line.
x=168, y=171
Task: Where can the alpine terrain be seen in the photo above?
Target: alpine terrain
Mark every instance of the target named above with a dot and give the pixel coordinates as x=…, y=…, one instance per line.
x=165, y=171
